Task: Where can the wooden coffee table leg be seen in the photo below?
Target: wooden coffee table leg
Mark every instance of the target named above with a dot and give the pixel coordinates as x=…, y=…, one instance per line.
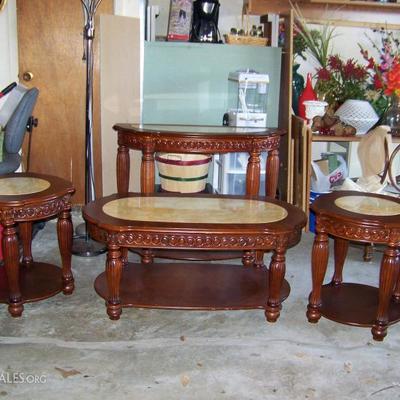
x=11, y=263
x=25, y=232
x=276, y=272
x=113, y=273
x=341, y=247
x=387, y=279
x=319, y=263
x=64, y=234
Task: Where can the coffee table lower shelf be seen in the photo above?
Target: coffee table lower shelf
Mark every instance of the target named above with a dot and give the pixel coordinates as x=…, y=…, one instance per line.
x=195, y=286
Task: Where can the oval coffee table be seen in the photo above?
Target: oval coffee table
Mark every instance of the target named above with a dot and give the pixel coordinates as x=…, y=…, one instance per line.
x=361, y=217
x=25, y=198
x=200, y=222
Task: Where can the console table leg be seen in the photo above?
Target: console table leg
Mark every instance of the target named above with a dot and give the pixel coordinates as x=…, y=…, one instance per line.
x=11, y=263
x=276, y=273
x=123, y=166
x=147, y=170
x=272, y=173
x=113, y=273
x=253, y=174
x=248, y=258
x=341, y=247
x=25, y=231
x=396, y=294
x=64, y=234
x=319, y=264
x=259, y=259
x=387, y=279
x=147, y=256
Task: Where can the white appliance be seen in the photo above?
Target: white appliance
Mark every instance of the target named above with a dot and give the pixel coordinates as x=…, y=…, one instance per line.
x=247, y=99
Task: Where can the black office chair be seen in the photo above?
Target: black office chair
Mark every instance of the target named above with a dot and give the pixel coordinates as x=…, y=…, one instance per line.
x=20, y=121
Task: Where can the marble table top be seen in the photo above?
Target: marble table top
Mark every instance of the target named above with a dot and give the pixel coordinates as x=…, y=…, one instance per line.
x=16, y=186
x=366, y=205
x=194, y=210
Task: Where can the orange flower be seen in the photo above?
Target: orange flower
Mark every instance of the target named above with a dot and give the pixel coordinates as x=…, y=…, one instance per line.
x=392, y=78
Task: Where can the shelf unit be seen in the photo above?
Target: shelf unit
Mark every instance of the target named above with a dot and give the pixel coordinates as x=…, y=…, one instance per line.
x=230, y=173
x=303, y=139
x=337, y=12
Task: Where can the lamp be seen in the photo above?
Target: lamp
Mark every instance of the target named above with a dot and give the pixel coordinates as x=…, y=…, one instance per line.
x=82, y=244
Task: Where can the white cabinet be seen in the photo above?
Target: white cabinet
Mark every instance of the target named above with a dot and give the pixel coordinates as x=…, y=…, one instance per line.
x=230, y=173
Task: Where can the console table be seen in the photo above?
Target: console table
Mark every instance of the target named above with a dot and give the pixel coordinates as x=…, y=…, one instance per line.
x=167, y=221
x=197, y=139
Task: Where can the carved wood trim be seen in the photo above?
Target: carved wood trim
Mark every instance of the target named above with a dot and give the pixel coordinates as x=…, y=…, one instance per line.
x=195, y=240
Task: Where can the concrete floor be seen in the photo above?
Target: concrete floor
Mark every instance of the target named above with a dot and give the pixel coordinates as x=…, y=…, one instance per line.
x=69, y=344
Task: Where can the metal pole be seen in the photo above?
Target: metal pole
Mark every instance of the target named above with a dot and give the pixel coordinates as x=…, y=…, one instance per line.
x=83, y=245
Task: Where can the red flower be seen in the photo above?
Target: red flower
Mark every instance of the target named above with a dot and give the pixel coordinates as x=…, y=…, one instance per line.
x=324, y=74
x=335, y=62
x=371, y=63
x=378, y=84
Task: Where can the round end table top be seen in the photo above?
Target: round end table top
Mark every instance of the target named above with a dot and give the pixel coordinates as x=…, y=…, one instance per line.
x=196, y=210
x=20, y=189
x=373, y=206
x=17, y=186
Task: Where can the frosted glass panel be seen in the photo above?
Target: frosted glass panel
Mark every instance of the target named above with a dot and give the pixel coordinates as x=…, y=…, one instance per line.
x=187, y=83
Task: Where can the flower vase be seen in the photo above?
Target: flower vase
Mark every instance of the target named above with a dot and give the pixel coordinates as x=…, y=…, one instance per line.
x=298, y=87
x=392, y=116
x=307, y=94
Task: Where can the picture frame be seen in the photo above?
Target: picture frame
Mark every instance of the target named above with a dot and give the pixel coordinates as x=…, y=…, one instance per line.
x=180, y=20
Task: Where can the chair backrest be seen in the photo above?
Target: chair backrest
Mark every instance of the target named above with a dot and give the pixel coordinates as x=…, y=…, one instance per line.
x=16, y=125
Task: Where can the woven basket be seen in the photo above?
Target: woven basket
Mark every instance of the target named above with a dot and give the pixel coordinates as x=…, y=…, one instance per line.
x=183, y=173
x=247, y=40
x=359, y=114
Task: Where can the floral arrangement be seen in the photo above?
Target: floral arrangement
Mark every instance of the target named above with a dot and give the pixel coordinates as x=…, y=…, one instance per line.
x=385, y=72
x=341, y=80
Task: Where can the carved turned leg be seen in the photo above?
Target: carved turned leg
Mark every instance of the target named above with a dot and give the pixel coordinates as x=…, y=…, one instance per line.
x=11, y=263
x=64, y=234
x=147, y=171
x=113, y=273
x=272, y=173
x=368, y=251
x=253, y=174
x=396, y=294
x=387, y=280
x=319, y=264
x=276, y=275
x=123, y=166
x=25, y=232
x=341, y=246
x=259, y=259
x=147, y=256
x=248, y=258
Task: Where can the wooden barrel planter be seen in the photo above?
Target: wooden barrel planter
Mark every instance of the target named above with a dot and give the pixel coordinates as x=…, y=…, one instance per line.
x=183, y=173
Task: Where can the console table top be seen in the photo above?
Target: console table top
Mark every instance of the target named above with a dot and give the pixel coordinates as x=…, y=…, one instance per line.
x=197, y=130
